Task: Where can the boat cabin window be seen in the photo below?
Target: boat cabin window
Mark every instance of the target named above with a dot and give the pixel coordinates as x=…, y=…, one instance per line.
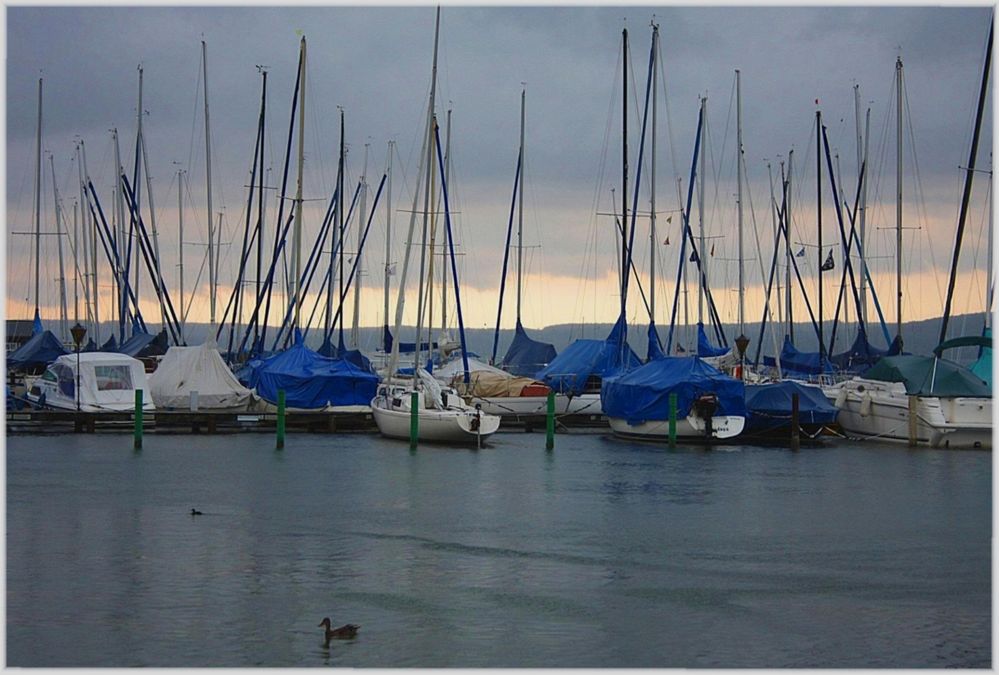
x=113, y=378
x=49, y=376
x=67, y=379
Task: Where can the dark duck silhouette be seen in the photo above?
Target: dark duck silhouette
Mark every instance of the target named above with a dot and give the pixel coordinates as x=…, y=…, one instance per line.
x=345, y=631
x=195, y=512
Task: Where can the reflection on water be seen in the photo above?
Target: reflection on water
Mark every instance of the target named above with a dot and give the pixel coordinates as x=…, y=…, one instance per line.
x=600, y=553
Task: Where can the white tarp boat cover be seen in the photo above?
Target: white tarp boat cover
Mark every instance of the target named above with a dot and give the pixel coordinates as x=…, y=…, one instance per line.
x=107, y=382
x=187, y=369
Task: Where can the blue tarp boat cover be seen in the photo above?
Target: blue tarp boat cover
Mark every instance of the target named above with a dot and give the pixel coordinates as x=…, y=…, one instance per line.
x=353, y=355
x=929, y=376
x=310, y=381
x=642, y=394
x=769, y=406
x=525, y=356
x=39, y=351
x=36, y=324
x=795, y=362
x=862, y=355
x=570, y=371
x=404, y=347
x=110, y=345
x=704, y=347
x=144, y=345
x=91, y=346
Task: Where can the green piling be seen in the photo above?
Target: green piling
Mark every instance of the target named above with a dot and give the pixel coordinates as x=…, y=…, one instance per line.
x=550, y=435
x=414, y=420
x=138, y=419
x=280, y=420
x=672, y=420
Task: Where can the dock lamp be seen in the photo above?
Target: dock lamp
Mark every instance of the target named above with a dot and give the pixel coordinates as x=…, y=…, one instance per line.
x=78, y=332
x=741, y=343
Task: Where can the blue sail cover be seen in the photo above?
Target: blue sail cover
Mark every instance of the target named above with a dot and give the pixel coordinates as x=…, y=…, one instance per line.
x=570, y=371
x=654, y=350
x=704, y=347
x=310, y=381
x=144, y=345
x=525, y=356
x=352, y=355
x=769, y=406
x=404, y=347
x=642, y=394
x=110, y=345
x=41, y=350
x=862, y=355
x=797, y=363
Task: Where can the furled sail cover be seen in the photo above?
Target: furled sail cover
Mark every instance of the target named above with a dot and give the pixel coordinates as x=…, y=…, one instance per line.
x=310, y=381
x=704, y=347
x=654, y=350
x=525, y=356
x=769, y=405
x=187, y=369
x=404, y=347
x=110, y=345
x=796, y=362
x=570, y=371
x=862, y=355
x=642, y=394
x=929, y=376
x=353, y=355
x=39, y=351
x=144, y=345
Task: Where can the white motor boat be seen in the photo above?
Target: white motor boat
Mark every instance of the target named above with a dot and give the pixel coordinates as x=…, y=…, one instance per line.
x=107, y=382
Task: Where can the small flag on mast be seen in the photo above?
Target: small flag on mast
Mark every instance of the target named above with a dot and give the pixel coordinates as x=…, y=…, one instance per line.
x=829, y=263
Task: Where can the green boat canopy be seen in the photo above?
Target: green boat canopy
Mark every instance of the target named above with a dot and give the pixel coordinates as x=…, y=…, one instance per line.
x=983, y=366
x=929, y=376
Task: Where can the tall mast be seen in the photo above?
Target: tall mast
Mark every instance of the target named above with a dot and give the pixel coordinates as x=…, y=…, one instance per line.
x=85, y=176
x=155, y=234
x=738, y=165
x=520, y=204
x=354, y=331
x=120, y=211
x=38, y=196
x=447, y=179
x=818, y=218
x=340, y=203
x=652, y=198
x=208, y=186
x=260, y=198
x=76, y=266
x=431, y=122
x=624, y=173
x=137, y=193
x=388, y=234
x=86, y=257
x=787, y=243
x=297, y=235
x=701, y=263
x=63, y=328
x=180, y=250
x=898, y=198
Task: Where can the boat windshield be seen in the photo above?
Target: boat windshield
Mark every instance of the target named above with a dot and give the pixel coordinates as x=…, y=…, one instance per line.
x=113, y=377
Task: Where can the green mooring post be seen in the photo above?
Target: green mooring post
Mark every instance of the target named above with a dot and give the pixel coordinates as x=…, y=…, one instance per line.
x=550, y=435
x=280, y=420
x=672, y=420
x=138, y=419
x=414, y=420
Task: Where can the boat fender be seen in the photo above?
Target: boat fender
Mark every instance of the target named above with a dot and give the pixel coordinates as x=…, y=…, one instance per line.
x=841, y=398
x=865, y=405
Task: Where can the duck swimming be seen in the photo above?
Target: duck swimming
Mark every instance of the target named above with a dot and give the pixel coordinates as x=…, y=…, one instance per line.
x=195, y=512
x=343, y=632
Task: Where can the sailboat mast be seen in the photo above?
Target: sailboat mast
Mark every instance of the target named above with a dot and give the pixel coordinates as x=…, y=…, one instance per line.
x=297, y=234
x=738, y=165
x=388, y=234
x=520, y=204
x=700, y=214
x=180, y=249
x=85, y=176
x=340, y=203
x=137, y=192
x=818, y=220
x=898, y=197
x=208, y=187
x=261, y=197
x=63, y=328
x=624, y=173
x=120, y=213
x=447, y=180
x=38, y=197
x=652, y=197
x=354, y=331
x=787, y=243
x=76, y=266
x=155, y=234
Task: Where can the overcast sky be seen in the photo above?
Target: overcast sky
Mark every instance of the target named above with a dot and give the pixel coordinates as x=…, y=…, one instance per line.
x=375, y=63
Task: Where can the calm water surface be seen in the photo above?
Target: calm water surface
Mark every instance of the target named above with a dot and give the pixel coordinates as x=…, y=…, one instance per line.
x=602, y=553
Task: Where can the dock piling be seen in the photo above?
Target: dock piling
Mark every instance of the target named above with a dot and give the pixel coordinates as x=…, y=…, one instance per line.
x=280, y=420
x=795, y=427
x=672, y=420
x=138, y=419
x=550, y=426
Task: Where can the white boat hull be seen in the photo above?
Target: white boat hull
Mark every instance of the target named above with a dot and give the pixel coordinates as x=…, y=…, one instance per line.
x=691, y=427
x=453, y=424
x=875, y=409
x=522, y=406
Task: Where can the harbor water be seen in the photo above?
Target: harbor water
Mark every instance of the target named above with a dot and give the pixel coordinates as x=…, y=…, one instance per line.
x=600, y=553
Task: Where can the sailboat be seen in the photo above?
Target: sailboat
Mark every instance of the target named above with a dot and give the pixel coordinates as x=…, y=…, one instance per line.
x=440, y=414
x=952, y=405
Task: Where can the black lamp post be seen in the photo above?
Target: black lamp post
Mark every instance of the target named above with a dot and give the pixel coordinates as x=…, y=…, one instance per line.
x=79, y=332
